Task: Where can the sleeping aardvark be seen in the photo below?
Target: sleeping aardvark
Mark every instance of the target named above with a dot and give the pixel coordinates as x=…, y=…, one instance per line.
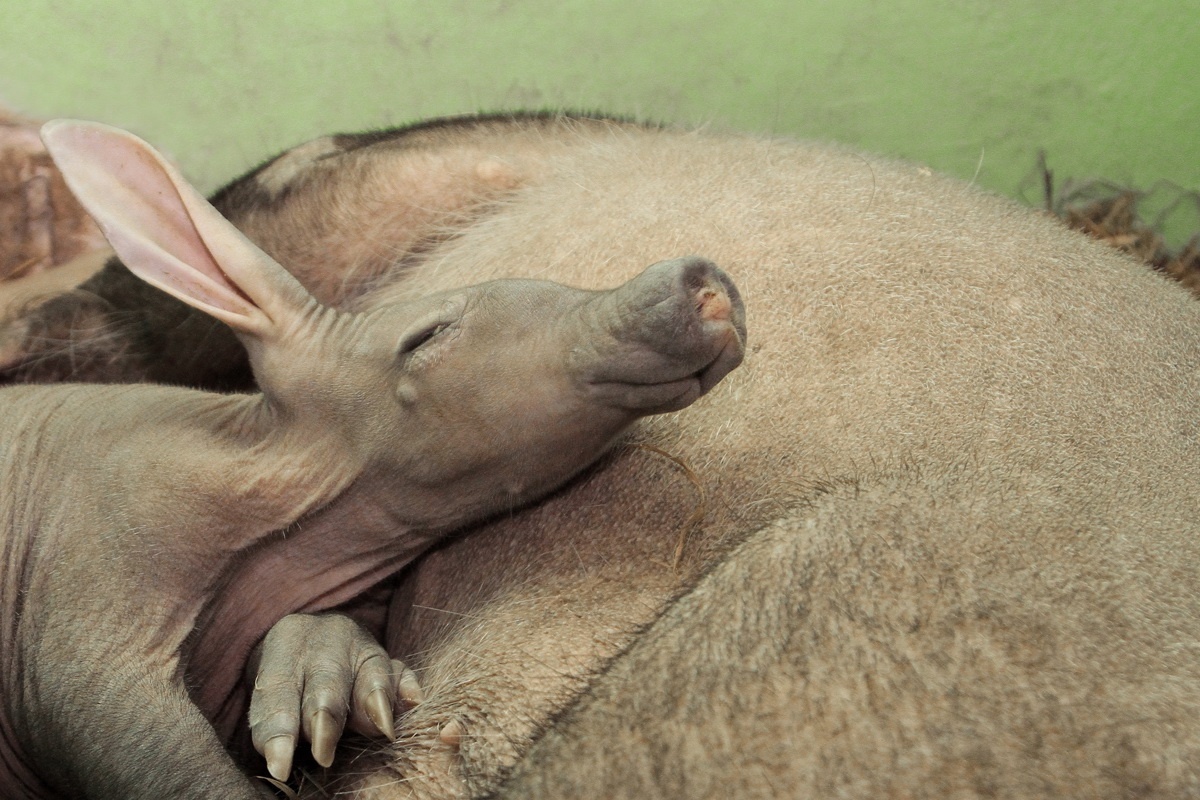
x=947, y=541
x=152, y=534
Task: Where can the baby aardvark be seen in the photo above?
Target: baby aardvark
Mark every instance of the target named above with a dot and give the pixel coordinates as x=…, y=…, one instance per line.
x=152, y=534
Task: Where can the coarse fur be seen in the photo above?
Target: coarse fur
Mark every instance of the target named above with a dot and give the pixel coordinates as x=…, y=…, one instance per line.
x=965, y=570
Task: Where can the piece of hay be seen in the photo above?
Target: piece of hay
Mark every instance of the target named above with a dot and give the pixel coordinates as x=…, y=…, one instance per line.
x=1112, y=214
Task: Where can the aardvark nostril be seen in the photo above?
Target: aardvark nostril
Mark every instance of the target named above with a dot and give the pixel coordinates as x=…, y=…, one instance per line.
x=713, y=305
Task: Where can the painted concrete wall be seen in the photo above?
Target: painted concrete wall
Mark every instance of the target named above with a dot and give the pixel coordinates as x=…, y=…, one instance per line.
x=971, y=87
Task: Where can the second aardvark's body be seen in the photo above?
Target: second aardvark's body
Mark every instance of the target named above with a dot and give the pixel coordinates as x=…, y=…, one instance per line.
x=960, y=456
x=152, y=534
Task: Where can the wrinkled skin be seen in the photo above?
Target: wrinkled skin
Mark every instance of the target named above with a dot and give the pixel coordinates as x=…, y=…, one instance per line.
x=192, y=521
x=948, y=545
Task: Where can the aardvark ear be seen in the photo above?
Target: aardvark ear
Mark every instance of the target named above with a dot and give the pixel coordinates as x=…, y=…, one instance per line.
x=167, y=233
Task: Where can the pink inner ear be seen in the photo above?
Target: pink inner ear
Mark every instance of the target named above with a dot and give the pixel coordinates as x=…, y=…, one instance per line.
x=138, y=203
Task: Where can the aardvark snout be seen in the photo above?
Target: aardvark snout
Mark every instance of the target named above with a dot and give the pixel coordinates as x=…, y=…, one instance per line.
x=671, y=334
x=719, y=313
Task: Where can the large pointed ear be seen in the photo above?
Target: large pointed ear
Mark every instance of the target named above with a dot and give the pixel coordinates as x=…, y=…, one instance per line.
x=167, y=233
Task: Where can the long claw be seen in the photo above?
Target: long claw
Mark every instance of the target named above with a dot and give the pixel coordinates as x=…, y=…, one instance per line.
x=452, y=733
x=278, y=753
x=410, y=688
x=379, y=709
x=325, y=735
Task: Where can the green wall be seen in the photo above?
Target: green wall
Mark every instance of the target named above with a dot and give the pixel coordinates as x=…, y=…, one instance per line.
x=971, y=87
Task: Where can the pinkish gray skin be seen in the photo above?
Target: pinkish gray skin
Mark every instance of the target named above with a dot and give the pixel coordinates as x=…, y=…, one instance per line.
x=947, y=542
x=153, y=534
